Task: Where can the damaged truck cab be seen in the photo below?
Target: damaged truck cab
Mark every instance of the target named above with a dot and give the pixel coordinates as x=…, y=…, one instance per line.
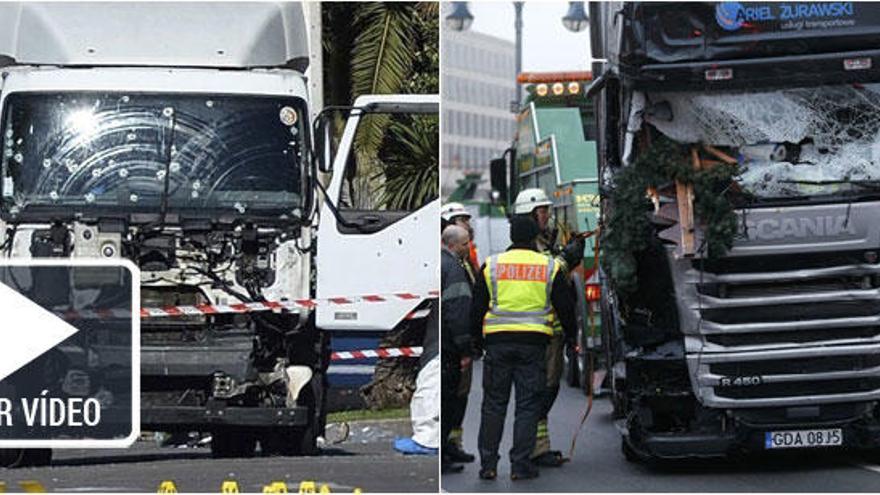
x=186, y=147
x=739, y=149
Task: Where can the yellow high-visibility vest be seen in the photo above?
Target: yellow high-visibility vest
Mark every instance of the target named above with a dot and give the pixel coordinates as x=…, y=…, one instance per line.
x=519, y=282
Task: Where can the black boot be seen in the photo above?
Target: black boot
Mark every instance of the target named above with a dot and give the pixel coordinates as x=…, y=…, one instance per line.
x=553, y=458
x=524, y=474
x=456, y=454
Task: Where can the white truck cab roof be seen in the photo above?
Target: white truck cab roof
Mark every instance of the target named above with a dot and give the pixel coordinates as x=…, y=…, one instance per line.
x=159, y=34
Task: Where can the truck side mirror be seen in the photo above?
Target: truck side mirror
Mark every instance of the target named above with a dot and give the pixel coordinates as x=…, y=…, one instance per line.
x=498, y=177
x=323, y=152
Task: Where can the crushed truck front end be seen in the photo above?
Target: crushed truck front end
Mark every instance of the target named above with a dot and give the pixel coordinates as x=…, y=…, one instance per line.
x=200, y=177
x=744, y=316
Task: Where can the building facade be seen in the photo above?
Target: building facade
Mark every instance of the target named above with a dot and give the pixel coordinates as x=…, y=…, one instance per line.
x=478, y=86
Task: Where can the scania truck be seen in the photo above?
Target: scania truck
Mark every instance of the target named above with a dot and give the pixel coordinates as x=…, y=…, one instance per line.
x=180, y=136
x=759, y=330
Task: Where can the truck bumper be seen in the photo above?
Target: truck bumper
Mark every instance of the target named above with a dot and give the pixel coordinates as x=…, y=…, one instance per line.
x=230, y=356
x=216, y=415
x=857, y=434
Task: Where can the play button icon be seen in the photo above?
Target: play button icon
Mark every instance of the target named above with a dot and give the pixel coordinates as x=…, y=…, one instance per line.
x=69, y=353
x=21, y=312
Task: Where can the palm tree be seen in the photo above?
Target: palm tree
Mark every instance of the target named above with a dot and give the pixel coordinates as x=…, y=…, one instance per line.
x=386, y=48
x=412, y=170
x=394, y=50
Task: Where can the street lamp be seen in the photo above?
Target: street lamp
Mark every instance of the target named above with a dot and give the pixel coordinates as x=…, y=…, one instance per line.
x=576, y=20
x=461, y=18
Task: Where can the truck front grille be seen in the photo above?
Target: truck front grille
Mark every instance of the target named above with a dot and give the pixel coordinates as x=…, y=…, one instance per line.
x=766, y=331
x=802, y=389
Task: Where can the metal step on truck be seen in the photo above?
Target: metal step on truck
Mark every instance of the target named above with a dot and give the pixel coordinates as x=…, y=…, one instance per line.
x=183, y=137
x=739, y=155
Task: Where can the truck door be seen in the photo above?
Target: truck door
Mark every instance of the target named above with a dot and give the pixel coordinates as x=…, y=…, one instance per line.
x=384, y=236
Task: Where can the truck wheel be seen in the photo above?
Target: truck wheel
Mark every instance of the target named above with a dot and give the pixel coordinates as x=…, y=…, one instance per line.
x=289, y=441
x=584, y=366
x=628, y=453
x=572, y=368
x=301, y=440
x=577, y=365
x=618, y=400
x=233, y=442
x=306, y=440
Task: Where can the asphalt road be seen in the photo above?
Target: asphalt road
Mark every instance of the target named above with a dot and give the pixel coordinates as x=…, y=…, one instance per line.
x=365, y=460
x=599, y=466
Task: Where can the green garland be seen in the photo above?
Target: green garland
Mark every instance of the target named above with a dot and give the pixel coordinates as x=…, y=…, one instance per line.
x=629, y=229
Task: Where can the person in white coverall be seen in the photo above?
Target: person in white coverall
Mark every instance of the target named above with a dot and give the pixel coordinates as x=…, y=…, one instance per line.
x=425, y=404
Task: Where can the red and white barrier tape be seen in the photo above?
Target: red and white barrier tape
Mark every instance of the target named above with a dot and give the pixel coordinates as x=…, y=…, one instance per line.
x=385, y=352
x=239, y=308
x=278, y=306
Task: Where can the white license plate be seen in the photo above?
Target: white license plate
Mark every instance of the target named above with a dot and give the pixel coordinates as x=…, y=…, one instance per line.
x=799, y=439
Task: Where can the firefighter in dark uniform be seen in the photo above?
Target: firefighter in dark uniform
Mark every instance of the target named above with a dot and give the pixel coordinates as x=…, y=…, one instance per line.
x=514, y=301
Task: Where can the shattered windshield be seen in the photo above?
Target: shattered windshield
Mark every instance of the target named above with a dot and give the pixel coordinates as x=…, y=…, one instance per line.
x=790, y=142
x=125, y=152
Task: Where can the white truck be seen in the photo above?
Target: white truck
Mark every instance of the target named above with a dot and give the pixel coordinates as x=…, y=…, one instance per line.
x=179, y=136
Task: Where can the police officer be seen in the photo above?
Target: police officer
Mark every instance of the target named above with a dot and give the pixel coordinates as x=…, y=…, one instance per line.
x=455, y=214
x=535, y=204
x=514, y=301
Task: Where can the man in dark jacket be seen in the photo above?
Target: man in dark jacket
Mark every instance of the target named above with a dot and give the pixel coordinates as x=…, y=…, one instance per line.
x=515, y=310
x=455, y=335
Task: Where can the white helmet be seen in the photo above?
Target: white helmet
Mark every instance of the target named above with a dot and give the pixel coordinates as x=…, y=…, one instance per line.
x=529, y=199
x=452, y=210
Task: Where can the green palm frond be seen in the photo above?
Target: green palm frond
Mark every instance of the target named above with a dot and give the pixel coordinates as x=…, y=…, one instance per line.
x=386, y=48
x=410, y=167
x=381, y=61
x=382, y=56
x=429, y=9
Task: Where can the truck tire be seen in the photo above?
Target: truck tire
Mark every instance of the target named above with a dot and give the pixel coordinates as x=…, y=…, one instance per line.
x=289, y=441
x=618, y=400
x=306, y=440
x=302, y=440
x=577, y=366
x=233, y=442
x=628, y=453
x=572, y=368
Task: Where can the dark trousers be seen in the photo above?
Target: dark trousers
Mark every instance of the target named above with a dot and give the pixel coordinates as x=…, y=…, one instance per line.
x=449, y=395
x=524, y=367
x=460, y=406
